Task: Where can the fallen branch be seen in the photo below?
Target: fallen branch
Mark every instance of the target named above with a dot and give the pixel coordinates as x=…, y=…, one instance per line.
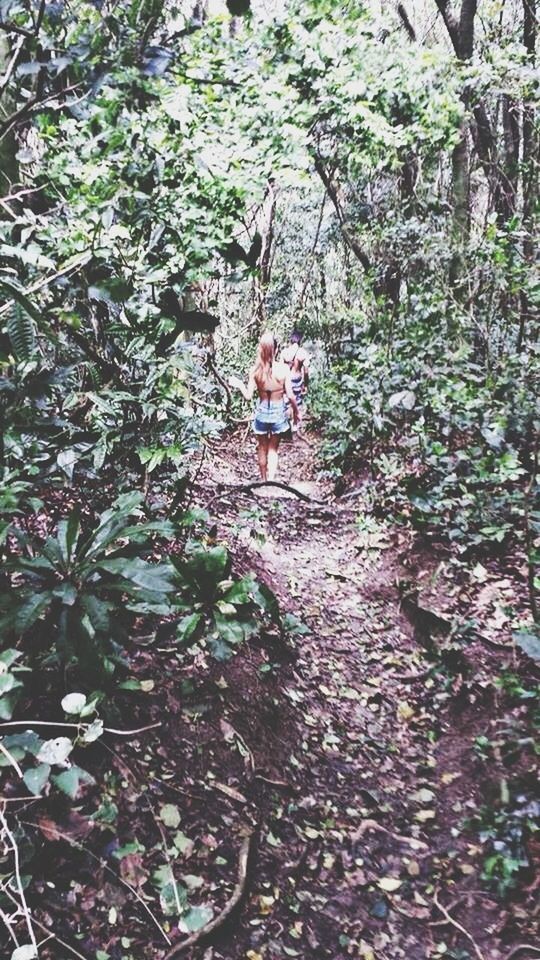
x=373, y=825
x=521, y=946
x=18, y=880
x=410, y=677
x=256, y=484
x=458, y=926
x=230, y=906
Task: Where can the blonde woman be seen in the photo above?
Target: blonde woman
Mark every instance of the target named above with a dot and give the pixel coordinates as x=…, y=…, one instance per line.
x=271, y=379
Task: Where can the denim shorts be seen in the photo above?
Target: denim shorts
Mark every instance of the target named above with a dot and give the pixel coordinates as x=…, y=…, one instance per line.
x=270, y=418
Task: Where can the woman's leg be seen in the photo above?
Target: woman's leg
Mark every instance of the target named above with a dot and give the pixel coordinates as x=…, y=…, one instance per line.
x=262, y=455
x=272, y=456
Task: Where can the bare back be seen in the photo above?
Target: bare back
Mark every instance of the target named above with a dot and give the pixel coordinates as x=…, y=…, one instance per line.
x=273, y=387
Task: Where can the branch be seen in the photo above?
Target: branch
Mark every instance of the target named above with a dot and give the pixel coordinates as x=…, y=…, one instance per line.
x=80, y=261
x=404, y=17
x=521, y=946
x=20, y=888
x=230, y=906
x=450, y=23
x=11, y=65
x=458, y=926
x=373, y=825
x=312, y=253
x=76, y=726
x=221, y=381
x=333, y=192
x=27, y=108
x=248, y=487
x=13, y=28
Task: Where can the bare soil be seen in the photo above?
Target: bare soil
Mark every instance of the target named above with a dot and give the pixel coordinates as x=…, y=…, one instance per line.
x=346, y=746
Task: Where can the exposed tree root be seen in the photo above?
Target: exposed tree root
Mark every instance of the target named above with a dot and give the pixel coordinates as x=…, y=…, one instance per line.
x=230, y=906
x=373, y=825
x=521, y=946
x=256, y=484
x=454, y=923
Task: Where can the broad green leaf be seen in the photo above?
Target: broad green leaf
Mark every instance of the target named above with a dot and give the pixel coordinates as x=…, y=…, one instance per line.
x=36, y=778
x=71, y=781
x=187, y=627
x=529, y=643
x=196, y=918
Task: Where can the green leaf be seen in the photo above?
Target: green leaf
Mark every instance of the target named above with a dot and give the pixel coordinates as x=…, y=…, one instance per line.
x=196, y=918
x=112, y=523
x=187, y=627
x=71, y=781
x=67, y=535
x=36, y=778
x=529, y=643
x=151, y=576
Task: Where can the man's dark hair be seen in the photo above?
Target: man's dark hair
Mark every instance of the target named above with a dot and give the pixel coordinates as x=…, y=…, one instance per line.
x=296, y=336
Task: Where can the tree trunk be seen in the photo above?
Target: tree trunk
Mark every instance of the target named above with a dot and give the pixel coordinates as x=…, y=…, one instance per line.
x=529, y=168
x=462, y=36
x=265, y=228
x=9, y=168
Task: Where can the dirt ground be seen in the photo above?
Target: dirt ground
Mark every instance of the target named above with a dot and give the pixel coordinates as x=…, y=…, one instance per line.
x=343, y=754
x=365, y=848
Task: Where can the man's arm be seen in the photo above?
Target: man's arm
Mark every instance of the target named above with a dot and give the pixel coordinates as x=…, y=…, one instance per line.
x=305, y=367
x=291, y=397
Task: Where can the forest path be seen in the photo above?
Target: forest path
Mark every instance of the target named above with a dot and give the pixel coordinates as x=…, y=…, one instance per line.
x=354, y=860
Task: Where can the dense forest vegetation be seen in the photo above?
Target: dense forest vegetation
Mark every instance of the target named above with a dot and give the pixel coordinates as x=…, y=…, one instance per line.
x=301, y=726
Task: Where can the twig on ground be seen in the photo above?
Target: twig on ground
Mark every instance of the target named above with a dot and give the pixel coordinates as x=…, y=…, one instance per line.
x=18, y=880
x=451, y=906
x=410, y=677
x=521, y=946
x=229, y=792
x=458, y=926
x=373, y=825
x=274, y=783
x=256, y=484
x=230, y=906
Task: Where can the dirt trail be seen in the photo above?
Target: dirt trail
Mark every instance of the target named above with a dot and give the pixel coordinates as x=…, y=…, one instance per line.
x=363, y=842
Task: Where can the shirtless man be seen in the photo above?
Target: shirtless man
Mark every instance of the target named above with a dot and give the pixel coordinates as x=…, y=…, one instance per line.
x=297, y=359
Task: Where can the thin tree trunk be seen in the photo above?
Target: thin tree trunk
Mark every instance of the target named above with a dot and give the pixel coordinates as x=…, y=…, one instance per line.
x=529, y=167
x=266, y=230
x=9, y=168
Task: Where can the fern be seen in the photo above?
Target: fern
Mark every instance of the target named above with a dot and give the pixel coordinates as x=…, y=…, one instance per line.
x=21, y=332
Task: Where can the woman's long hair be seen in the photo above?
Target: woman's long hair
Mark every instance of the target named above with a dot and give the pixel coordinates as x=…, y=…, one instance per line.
x=265, y=359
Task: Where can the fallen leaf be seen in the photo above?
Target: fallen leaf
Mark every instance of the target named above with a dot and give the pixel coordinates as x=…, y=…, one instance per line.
x=424, y=815
x=404, y=710
x=389, y=884
x=169, y=814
